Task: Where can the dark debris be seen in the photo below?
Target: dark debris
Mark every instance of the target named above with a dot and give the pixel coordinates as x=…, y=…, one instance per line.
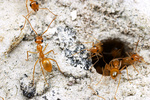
x=68, y=43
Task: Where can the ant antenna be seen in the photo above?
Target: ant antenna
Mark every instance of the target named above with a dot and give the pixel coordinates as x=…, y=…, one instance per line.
x=95, y=39
x=49, y=25
x=30, y=24
x=137, y=44
x=45, y=30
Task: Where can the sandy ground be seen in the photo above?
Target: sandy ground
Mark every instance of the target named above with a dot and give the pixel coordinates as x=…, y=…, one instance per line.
x=124, y=19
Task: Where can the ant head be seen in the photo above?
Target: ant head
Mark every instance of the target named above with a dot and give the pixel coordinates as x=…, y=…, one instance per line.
x=116, y=63
x=136, y=57
x=34, y=5
x=114, y=73
x=39, y=39
x=96, y=49
x=116, y=52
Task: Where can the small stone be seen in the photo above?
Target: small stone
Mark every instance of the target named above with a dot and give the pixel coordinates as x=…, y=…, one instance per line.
x=74, y=14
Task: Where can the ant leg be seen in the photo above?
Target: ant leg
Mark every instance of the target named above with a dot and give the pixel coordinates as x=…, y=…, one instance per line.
x=88, y=42
x=56, y=64
x=104, y=60
x=144, y=61
x=34, y=71
x=45, y=47
x=95, y=92
x=79, y=52
x=28, y=54
x=48, y=10
x=1, y=38
x=100, y=80
x=100, y=55
x=43, y=74
x=27, y=6
x=123, y=68
x=135, y=68
x=127, y=72
x=50, y=52
x=128, y=75
x=114, y=53
x=128, y=54
x=92, y=55
x=95, y=62
x=2, y=97
x=101, y=77
x=117, y=87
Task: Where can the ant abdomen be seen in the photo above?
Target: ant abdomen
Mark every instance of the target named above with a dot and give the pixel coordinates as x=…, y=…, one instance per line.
x=47, y=64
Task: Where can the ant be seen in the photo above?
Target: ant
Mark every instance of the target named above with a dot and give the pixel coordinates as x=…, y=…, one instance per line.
x=116, y=52
x=96, y=50
x=35, y=7
x=113, y=48
x=45, y=62
x=113, y=68
x=132, y=59
x=2, y=97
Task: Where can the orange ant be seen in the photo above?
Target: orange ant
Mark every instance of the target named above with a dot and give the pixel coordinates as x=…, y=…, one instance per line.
x=116, y=52
x=96, y=50
x=45, y=62
x=35, y=6
x=113, y=68
x=2, y=97
x=132, y=59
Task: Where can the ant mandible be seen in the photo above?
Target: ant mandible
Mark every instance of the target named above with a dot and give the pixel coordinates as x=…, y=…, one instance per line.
x=114, y=70
x=42, y=59
x=35, y=6
x=95, y=50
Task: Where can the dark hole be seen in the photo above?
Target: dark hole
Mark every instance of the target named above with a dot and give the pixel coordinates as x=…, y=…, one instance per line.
x=112, y=48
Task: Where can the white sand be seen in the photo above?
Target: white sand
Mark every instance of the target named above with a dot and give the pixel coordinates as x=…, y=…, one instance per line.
x=85, y=17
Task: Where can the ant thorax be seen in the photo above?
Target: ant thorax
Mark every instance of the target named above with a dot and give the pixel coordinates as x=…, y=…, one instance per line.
x=39, y=48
